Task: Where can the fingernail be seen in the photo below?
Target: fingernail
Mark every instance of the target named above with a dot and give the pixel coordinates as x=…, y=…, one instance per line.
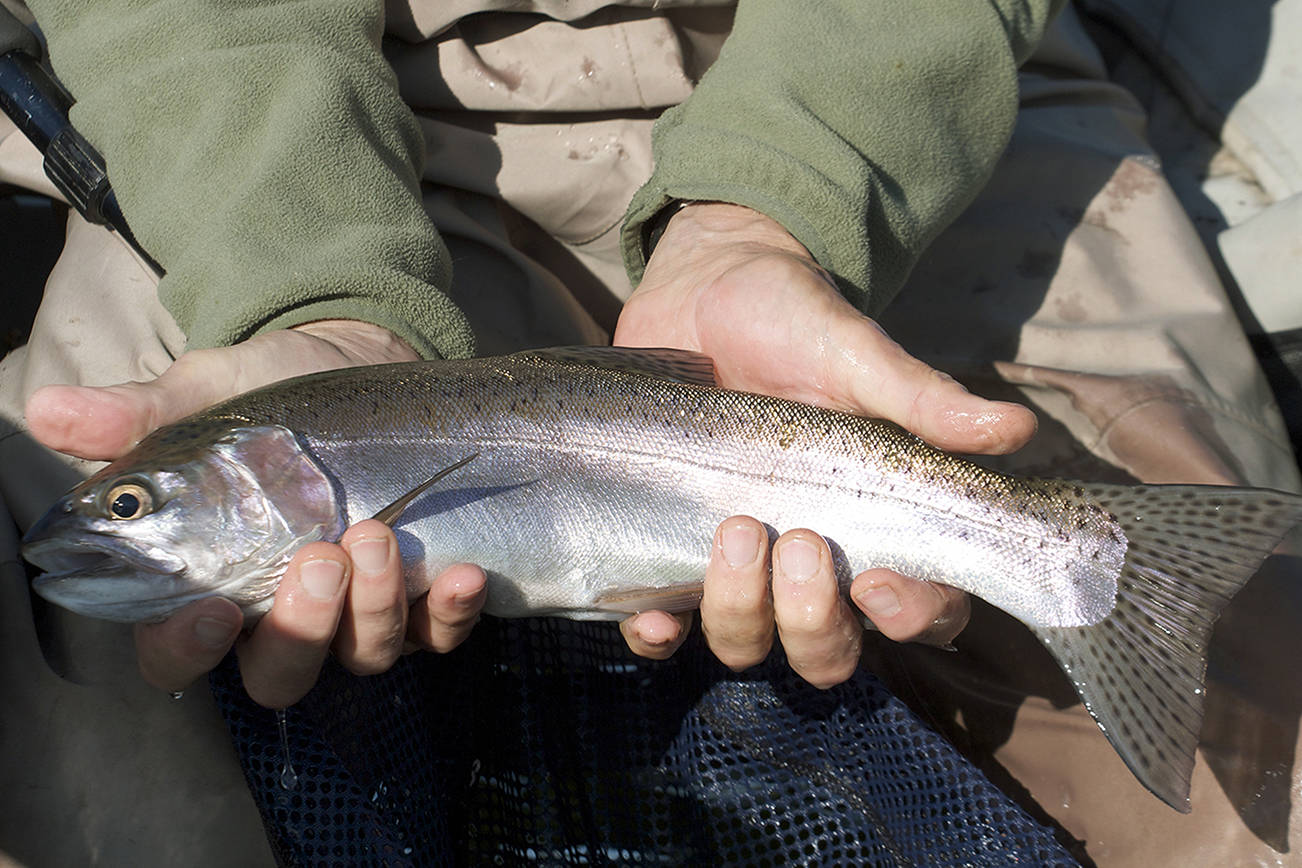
x=740, y=544
x=881, y=602
x=321, y=579
x=214, y=632
x=370, y=556
x=798, y=560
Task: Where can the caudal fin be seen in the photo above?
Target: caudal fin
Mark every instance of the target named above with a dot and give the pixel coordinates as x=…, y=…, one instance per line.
x=1140, y=670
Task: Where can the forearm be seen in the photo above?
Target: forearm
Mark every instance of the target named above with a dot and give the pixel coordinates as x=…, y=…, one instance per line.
x=861, y=127
x=264, y=159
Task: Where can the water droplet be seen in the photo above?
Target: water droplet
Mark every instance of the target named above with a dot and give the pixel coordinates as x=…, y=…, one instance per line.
x=288, y=777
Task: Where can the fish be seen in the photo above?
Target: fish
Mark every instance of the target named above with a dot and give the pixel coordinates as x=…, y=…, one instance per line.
x=588, y=482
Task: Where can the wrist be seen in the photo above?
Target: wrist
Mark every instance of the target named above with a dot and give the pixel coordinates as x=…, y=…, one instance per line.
x=363, y=342
x=690, y=224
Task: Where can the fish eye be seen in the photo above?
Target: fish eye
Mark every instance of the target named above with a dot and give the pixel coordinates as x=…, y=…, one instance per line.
x=128, y=500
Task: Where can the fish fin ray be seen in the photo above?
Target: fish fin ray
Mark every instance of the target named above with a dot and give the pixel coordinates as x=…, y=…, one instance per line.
x=662, y=363
x=1140, y=670
x=630, y=601
x=391, y=513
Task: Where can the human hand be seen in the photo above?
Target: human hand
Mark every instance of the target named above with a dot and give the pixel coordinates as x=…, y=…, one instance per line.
x=349, y=598
x=731, y=283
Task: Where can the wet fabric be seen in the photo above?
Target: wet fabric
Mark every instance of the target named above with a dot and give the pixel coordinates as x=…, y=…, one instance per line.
x=546, y=742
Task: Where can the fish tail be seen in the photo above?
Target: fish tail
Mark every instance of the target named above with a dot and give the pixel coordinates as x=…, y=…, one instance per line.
x=1140, y=670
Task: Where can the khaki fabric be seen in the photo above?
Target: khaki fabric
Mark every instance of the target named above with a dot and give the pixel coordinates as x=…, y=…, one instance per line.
x=1074, y=283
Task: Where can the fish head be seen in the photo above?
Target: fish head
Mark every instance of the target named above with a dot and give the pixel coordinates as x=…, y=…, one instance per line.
x=198, y=509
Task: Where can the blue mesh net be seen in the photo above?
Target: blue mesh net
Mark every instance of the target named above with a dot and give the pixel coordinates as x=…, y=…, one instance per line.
x=545, y=741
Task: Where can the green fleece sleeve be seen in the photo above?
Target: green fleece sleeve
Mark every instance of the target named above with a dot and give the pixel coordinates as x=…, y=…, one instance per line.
x=862, y=126
x=263, y=157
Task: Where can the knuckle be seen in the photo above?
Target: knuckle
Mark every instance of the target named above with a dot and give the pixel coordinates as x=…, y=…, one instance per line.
x=271, y=694
x=367, y=666
x=442, y=638
x=382, y=606
x=457, y=619
x=739, y=648
x=376, y=654
x=740, y=659
x=733, y=603
x=829, y=674
x=800, y=623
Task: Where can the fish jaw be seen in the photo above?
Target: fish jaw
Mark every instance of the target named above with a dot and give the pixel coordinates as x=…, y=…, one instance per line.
x=105, y=581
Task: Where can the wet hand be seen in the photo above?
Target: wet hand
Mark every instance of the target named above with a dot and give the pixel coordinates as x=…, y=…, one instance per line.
x=347, y=599
x=733, y=284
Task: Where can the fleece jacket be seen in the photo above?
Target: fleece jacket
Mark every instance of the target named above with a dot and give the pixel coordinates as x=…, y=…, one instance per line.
x=263, y=156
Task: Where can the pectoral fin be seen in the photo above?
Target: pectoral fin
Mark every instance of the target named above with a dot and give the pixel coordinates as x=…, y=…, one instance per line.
x=394, y=511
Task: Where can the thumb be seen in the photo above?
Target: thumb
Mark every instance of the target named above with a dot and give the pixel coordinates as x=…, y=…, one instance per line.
x=873, y=375
x=104, y=422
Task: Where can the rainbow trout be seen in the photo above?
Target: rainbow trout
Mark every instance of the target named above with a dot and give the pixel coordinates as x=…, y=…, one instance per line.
x=598, y=478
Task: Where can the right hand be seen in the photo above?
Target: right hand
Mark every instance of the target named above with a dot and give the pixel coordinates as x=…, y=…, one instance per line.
x=734, y=284
x=347, y=598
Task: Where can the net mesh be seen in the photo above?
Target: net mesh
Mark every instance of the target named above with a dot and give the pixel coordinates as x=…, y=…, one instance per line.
x=546, y=741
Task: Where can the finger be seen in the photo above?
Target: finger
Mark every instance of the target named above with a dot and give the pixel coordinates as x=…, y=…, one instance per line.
x=909, y=610
x=175, y=653
x=877, y=377
x=818, y=630
x=373, y=626
x=442, y=619
x=281, y=660
x=656, y=635
x=737, y=607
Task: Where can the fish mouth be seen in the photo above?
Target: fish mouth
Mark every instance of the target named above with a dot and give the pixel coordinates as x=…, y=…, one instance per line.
x=102, y=580
x=91, y=558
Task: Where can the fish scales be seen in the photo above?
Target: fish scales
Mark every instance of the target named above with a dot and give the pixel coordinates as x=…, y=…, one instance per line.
x=656, y=465
x=597, y=480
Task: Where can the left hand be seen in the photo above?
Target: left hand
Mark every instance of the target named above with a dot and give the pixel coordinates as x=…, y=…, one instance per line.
x=348, y=597
x=731, y=283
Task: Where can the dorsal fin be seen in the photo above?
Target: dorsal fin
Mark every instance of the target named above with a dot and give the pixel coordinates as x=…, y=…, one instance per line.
x=663, y=363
